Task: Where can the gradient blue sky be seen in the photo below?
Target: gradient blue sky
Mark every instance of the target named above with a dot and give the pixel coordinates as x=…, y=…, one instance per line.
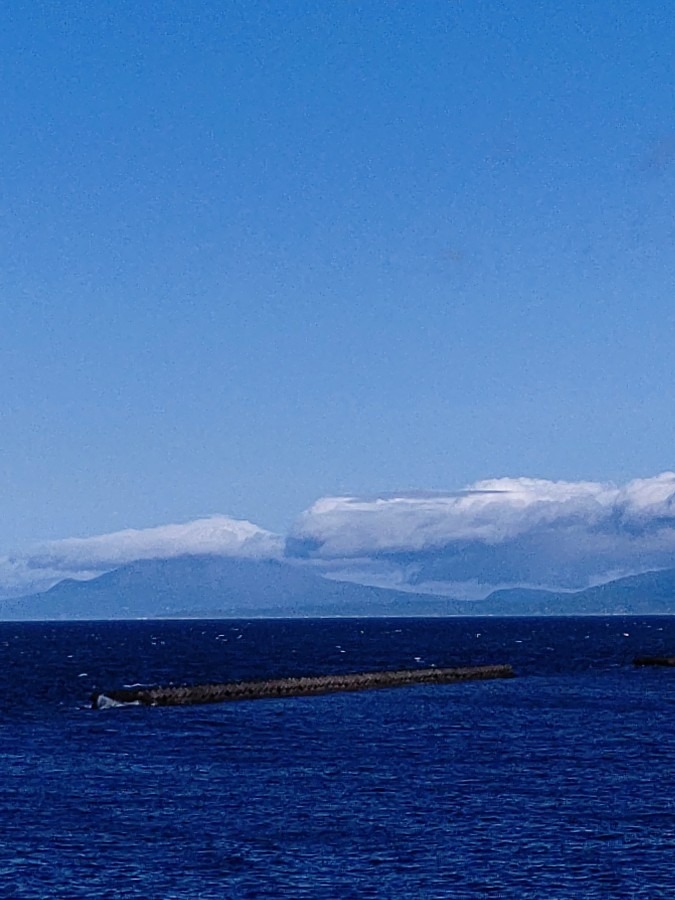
x=254, y=253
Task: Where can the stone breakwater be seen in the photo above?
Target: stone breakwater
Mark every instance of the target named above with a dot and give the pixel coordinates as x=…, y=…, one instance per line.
x=185, y=695
x=654, y=661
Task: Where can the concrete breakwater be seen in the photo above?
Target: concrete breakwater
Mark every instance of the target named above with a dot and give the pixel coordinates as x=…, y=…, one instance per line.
x=185, y=695
x=654, y=661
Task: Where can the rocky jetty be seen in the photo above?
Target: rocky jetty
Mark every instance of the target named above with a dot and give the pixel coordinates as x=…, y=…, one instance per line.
x=185, y=695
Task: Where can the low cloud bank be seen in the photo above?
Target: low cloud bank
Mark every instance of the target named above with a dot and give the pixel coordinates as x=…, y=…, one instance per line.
x=497, y=533
x=42, y=566
x=504, y=532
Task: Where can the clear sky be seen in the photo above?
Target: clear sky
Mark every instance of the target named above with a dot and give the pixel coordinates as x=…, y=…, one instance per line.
x=253, y=253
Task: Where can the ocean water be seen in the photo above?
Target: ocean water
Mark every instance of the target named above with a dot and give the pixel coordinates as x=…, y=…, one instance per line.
x=557, y=783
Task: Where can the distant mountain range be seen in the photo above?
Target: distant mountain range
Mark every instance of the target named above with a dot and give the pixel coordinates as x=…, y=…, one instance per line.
x=216, y=586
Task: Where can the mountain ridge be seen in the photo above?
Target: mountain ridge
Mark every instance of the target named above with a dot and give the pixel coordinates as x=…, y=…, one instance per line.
x=196, y=586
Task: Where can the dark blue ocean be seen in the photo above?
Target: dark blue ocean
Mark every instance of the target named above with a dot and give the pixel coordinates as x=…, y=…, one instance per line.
x=558, y=783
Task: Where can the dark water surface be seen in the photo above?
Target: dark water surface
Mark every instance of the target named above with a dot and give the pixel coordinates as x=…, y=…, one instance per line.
x=559, y=783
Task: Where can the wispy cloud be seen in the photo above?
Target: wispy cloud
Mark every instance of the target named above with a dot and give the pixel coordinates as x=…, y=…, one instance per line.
x=499, y=532
x=44, y=565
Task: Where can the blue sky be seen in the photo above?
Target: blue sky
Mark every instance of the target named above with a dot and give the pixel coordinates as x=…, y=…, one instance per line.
x=256, y=253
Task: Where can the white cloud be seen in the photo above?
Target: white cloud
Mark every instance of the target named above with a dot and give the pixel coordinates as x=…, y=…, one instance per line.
x=498, y=532
x=42, y=566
